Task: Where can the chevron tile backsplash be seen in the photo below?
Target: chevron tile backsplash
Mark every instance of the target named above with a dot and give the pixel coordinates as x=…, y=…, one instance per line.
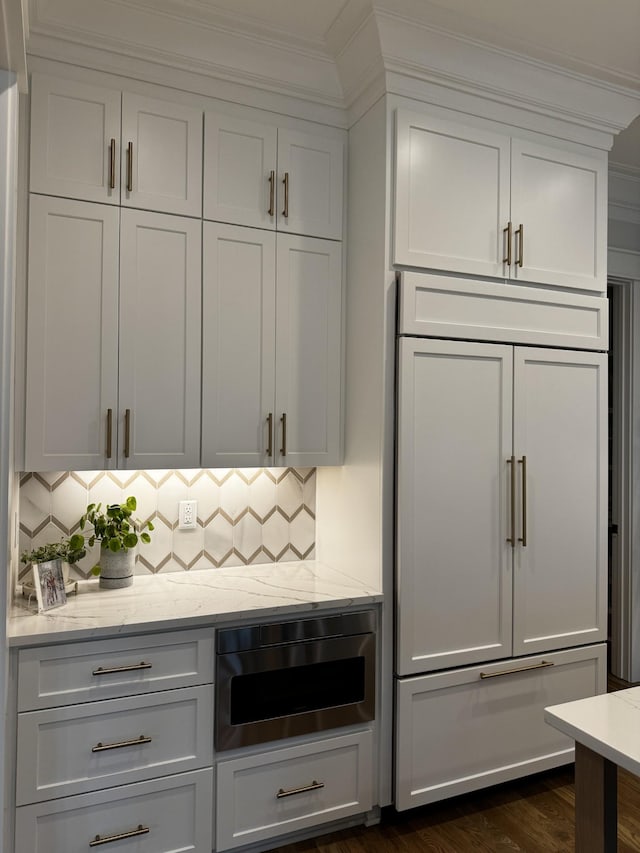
x=245, y=516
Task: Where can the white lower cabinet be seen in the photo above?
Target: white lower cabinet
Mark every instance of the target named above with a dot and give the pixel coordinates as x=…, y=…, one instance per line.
x=112, y=742
x=273, y=793
x=160, y=816
x=465, y=729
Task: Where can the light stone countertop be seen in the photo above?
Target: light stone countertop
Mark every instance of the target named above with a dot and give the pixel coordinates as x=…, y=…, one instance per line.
x=608, y=724
x=188, y=600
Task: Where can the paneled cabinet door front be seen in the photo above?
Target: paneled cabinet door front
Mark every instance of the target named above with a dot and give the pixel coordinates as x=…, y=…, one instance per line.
x=238, y=347
x=560, y=431
x=72, y=335
x=453, y=504
x=161, y=156
x=560, y=199
x=452, y=196
x=75, y=140
x=239, y=171
x=310, y=191
x=159, y=371
x=308, y=428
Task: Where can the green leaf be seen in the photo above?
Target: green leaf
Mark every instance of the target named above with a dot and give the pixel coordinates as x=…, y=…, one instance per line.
x=114, y=545
x=130, y=540
x=145, y=537
x=131, y=503
x=150, y=525
x=96, y=570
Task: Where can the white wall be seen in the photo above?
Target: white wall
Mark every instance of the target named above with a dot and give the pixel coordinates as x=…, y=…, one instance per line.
x=8, y=179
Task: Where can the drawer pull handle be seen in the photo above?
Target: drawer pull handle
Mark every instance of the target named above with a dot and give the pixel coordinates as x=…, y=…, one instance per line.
x=130, y=167
x=517, y=669
x=105, y=839
x=285, y=211
x=102, y=747
x=314, y=786
x=272, y=188
x=520, y=235
x=108, y=670
x=508, y=234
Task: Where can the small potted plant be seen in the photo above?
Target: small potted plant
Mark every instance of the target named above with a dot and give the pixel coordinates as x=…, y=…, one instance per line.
x=118, y=533
x=68, y=551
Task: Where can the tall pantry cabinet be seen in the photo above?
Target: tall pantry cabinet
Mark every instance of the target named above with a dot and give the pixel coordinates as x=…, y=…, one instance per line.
x=501, y=455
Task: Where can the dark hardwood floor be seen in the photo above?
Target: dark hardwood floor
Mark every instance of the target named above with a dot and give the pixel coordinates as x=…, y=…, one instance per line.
x=531, y=815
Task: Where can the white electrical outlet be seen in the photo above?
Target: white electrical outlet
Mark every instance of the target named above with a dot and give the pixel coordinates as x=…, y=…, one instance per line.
x=187, y=515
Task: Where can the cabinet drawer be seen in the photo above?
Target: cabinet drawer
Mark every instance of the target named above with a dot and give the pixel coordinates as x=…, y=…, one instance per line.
x=458, y=731
x=273, y=793
x=105, y=669
x=450, y=307
x=166, y=815
x=65, y=751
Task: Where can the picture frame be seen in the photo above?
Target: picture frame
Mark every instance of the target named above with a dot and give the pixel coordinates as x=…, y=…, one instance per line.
x=48, y=581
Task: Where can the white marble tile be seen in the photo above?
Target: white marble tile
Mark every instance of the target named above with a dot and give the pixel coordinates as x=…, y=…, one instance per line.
x=275, y=535
x=302, y=533
x=69, y=501
x=206, y=491
x=289, y=494
x=234, y=496
x=35, y=504
x=247, y=536
x=170, y=493
x=188, y=545
x=218, y=538
x=262, y=495
x=159, y=549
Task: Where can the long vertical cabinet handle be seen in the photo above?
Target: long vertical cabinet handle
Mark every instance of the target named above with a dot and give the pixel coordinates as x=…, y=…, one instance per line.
x=130, y=167
x=520, y=236
x=127, y=432
x=512, y=539
x=509, y=232
x=109, y=432
x=270, y=434
x=283, y=421
x=523, y=538
x=285, y=181
x=272, y=192
x=112, y=164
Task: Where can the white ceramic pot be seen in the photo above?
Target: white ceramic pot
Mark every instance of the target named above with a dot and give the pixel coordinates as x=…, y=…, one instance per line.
x=116, y=568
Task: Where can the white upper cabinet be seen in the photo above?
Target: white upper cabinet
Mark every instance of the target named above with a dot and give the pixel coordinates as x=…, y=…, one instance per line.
x=72, y=335
x=559, y=203
x=272, y=310
x=161, y=156
x=104, y=391
x=159, y=375
x=75, y=140
x=481, y=203
x=97, y=144
x=452, y=196
x=275, y=178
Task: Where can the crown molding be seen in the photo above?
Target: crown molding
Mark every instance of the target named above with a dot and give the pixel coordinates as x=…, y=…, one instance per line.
x=156, y=33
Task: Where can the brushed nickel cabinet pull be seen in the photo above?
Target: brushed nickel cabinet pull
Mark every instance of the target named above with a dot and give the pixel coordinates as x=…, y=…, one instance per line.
x=270, y=434
x=285, y=212
x=112, y=164
x=132, y=667
x=520, y=235
x=105, y=839
x=517, y=669
x=512, y=539
x=127, y=431
x=109, y=432
x=103, y=747
x=314, y=786
x=508, y=232
x=130, y=167
x=272, y=192
x=283, y=421
x=523, y=538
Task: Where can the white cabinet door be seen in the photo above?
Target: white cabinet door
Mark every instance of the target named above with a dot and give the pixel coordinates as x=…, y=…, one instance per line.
x=160, y=311
x=453, y=561
x=560, y=199
x=452, y=196
x=469, y=728
x=560, y=429
x=239, y=171
x=75, y=140
x=161, y=156
x=310, y=193
x=308, y=352
x=238, y=347
x=72, y=334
